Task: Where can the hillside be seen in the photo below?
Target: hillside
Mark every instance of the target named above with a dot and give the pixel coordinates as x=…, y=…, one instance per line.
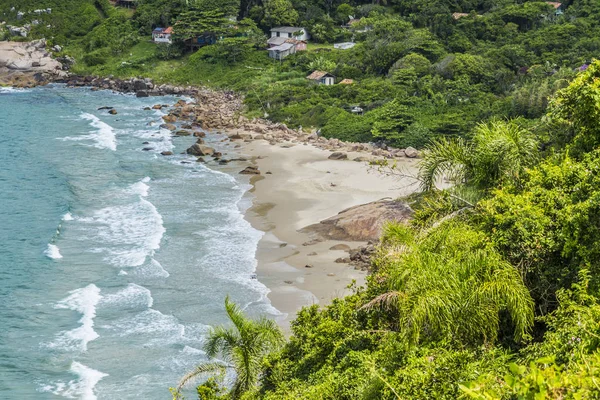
x=420, y=70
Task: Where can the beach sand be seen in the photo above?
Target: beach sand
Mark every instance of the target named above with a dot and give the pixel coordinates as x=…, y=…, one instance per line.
x=304, y=187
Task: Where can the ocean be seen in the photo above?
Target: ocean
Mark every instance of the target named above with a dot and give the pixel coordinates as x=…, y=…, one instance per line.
x=114, y=260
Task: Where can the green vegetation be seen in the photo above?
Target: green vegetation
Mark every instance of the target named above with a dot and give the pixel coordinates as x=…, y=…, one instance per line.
x=241, y=347
x=492, y=291
x=419, y=73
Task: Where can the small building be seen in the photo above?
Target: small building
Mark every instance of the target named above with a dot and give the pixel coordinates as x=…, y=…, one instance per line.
x=558, y=7
x=344, y=45
x=162, y=35
x=322, y=78
x=290, y=32
x=278, y=41
x=346, y=82
x=299, y=44
x=275, y=41
x=282, y=51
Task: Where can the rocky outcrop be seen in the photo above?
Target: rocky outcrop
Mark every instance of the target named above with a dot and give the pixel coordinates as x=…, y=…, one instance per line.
x=360, y=223
x=250, y=171
x=198, y=149
x=28, y=64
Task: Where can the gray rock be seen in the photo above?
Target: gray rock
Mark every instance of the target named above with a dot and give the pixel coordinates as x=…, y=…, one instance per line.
x=198, y=149
x=411, y=152
x=338, y=156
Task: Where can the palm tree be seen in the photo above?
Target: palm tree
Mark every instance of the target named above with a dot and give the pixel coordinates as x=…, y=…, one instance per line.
x=449, y=284
x=500, y=151
x=241, y=347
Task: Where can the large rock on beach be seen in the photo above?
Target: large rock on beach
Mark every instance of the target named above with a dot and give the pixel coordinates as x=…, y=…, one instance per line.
x=411, y=152
x=169, y=127
x=338, y=156
x=250, y=171
x=360, y=223
x=198, y=149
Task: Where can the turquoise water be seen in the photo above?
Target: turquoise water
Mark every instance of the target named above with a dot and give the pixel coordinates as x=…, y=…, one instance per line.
x=114, y=261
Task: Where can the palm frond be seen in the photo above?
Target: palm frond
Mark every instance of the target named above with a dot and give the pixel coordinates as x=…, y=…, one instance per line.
x=444, y=158
x=200, y=370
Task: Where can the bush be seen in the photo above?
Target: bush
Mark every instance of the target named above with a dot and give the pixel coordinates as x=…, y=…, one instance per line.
x=97, y=57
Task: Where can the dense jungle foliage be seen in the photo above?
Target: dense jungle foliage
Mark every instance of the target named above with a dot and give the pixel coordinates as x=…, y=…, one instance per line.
x=419, y=73
x=492, y=291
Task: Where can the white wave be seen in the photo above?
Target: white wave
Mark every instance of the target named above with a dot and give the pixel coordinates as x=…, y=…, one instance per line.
x=81, y=388
x=154, y=328
x=11, y=90
x=132, y=296
x=161, y=139
x=133, y=231
x=83, y=301
x=104, y=136
x=140, y=188
x=152, y=269
x=53, y=252
x=68, y=217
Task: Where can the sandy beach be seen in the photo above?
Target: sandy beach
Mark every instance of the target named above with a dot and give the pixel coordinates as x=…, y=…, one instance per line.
x=300, y=186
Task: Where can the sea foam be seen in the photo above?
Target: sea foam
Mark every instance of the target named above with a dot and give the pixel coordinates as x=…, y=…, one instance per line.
x=83, y=301
x=81, y=388
x=133, y=296
x=104, y=136
x=53, y=252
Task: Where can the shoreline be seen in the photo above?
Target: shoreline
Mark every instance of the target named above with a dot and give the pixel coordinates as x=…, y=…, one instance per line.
x=303, y=188
x=298, y=186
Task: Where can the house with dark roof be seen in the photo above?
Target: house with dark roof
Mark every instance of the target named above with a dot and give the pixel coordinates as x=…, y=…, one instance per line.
x=322, y=78
x=282, y=51
x=290, y=32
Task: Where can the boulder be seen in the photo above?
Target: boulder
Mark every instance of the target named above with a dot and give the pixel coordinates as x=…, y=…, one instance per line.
x=157, y=107
x=183, y=132
x=166, y=153
x=362, y=159
x=112, y=111
x=198, y=149
x=411, y=152
x=169, y=127
x=169, y=118
x=360, y=223
x=141, y=93
x=250, y=171
x=199, y=134
x=338, y=156
x=340, y=246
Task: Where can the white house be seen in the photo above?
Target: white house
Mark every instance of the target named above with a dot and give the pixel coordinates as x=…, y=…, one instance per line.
x=290, y=32
x=322, y=78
